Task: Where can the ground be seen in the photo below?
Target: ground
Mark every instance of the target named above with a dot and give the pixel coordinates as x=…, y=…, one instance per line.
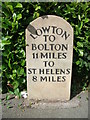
x=77, y=107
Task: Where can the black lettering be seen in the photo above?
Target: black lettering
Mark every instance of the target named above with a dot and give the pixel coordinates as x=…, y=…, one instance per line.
x=53, y=29
x=29, y=71
x=44, y=55
x=52, y=38
x=34, y=71
x=40, y=47
x=59, y=31
x=59, y=55
x=53, y=80
x=35, y=55
x=64, y=78
x=45, y=63
x=62, y=71
x=52, y=71
x=67, y=71
x=64, y=47
x=47, y=71
x=39, y=32
x=45, y=37
x=58, y=78
x=43, y=78
x=64, y=55
x=53, y=56
x=45, y=29
x=46, y=47
x=51, y=46
x=65, y=35
x=34, y=47
x=57, y=71
x=49, y=55
x=34, y=37
x=57, y=47
x=51, y=63
x=34, y=78
x=41, y=71
x=49, y=78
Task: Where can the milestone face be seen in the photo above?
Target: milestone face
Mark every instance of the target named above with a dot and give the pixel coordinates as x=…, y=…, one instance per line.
x=49, y=58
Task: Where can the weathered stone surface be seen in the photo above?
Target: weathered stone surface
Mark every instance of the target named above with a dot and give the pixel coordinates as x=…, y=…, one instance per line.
x=49, y=54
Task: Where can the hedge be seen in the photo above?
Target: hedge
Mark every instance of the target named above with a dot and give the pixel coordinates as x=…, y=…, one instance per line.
x=15, y=18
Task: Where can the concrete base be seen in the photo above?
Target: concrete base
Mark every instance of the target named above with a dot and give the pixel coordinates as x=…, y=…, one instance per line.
x=21, y=108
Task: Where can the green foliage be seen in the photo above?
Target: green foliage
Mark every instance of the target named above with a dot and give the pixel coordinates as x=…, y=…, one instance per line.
x=15, y=18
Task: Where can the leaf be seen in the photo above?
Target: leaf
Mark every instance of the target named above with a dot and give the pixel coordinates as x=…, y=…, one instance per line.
x=16, y=91
x=79, y=97
x=7, y=22
x=14, y=71
x=13, y=25
x=35, y=15
x=11, y=76
x=14, y=17
x=19, y=5
x=8, y=107
x=79, y=17
x=11, y=92
x=80, y=44
x=7, y=97
x=37, y=8
x=5, y=42
x=86, y=64
x=22, y=52
x=80, y=52
x=10, y=7
x=21, y=71
x=4, y=26
x=86, y=20
x=9, y=64
x=6, y=11
x=88, y=57
x=81, y=25
x=16, y=25
x=5, y=54
x=22, y=62
x=19, y=16
x=21, y=33
x=77, y=62
x=15, y=84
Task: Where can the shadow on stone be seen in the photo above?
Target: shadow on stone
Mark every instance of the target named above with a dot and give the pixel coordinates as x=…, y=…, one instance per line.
x=31, y=29
x=45, y=16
